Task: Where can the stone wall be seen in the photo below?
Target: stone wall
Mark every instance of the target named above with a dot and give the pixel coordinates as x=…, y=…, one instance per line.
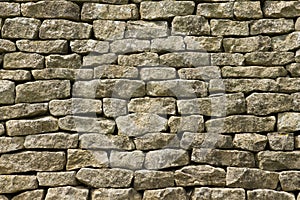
x=149, y=100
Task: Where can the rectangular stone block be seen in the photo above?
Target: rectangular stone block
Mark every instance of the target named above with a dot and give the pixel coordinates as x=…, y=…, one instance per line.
x=278, y=160
x=133, y=160
x=203, y=43
x=71, y=61
x=190, y=25
x=146, y=179
x=43, y=46
x=115, y=71
x=147, y=59
x=250, y=141
x=224, y=27
x=271, y=26
x=55, y=179
x=7, y=45
x=113, y=107
x=23, y=110
x=235, y=59
x=269, y=58
x=157, y=73
x=146, y=29
x=7, y=92
x=261, y=194
x=192, y=123
x=116, y=194
x=281, y=141
x=166, y=193
x=129, y=46
x=294, y=69
x=15, y=183
x=286, y=42
x=38, y=194
x=167, y=44
x=20, y=60
x=109, y=29
x=215, y=10
x=244, y=10
x=205, y=193
x=9, y=9
x=153, y=141
x=288, y=122
x=67, y=192
x=277, y=9
x=289, y=180
x=62, y=73
x=89, y=45
x=258, y=43
x=288, y=85
x=10, y=144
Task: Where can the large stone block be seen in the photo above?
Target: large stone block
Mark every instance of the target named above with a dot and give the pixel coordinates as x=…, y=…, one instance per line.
x=31, y=194
x=192, y=123
x=281, y=141
x=15, y=183
x=20, y=60
x=244, y=10
x=148, y=59
x=288, y=122
x=277, y=9
x=166, y=194
x=146, y=29
x=190, y=25
x=68, y=192
x=152, y=141
x=286, y=42
x=202, y=43
x=89, y=45
x=149, y=179
x=200, y=73
x=109, y=29
x=289, y=180
x=129, y=46
x=116, y=194
x=167, y=44
x=250, y=141
x=7, y=46
x=43, y=46
x=271, y=26
x=113, y=107
x=235, y=59
x=185, y=59
x=157, y=73
x=294, y=69
x=7, y=92
x=62, y=73
x=133, y=160
x=9, y=144
x=288, y=85
x=258, y=43
x=23, y=110
x=115, y=72
x=71, y=61
x=215, y=10
x=278, y=160
x=224, y=27
x=55, y=179
x=262, y=194
x=205, y=193
x=9, y=9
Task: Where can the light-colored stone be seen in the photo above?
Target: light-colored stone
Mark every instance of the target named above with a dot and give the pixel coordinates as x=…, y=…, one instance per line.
x=253, y=72
x=297, y=24
x=271, y=26
x=258, y=43
x=62, y=73
x=90, y=45
x=215, y=10
x=109, y=29
x=288, y=122
x=191, y=123
x=167, y=44
x=224, y=27
x=72, y=61
x=185, y=59
x=286, y=42
x=7, y=92
x=9, y=9
x=9, y=144
x=262, y=194
x=15, y=183
x=190, y=25
x=250, y=141
x=146, y=29
x=141, y=59
x=278, y=160
x=169, y=193
x=67, y=193
x=149, y=179
x=133, y=160
x=200, y=73
x=96, y=59
x=43, y=46
x=157, y=73
x=32, y=194
x=294, y=69
x=129, y=46
x=281, y=141
x=288, y=85
x=55, y=179
x=227, y=59
x=205, y=193
x=297, y=142
x=152, y=141
x=114, y=107
x=115, y=71
x=277, y=9
x=289, y=180
x=244, y=10
x=15, y=75
x=209, y=44
x=2, y=129
x=115, y=194
x=23, y=110
x=19, y=60
x=7, y=46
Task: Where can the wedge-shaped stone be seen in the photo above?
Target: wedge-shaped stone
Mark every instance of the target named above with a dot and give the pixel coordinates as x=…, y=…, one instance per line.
x=7, y=46
x=177, y=88
x=141, y=59
x=109, y=29
x=286, y=42
x=23, y=110
x=146, y=29
x=157, y=73
x=78, y=158
x=129, y=46
x=51, y=9
x=62, y=73
x=168, y=44
x=281, y=141
x=227, y=59
x=241, y=124
x=166, y=9
x=15, y=183
x=114, y=107
x=249, y=178
x=100, y=141
x=149, y=179
x=67, y=192
x=21, y=28
x=224, y=27
x=250, y=141
x=115, y=71
x=92, y=11
x=185, y=59
x=151, y=141
x=209, y=44
x=7, y=92
x=222, y=105
x=40, y=91
x=253, y=72
x=87, y=124
x=153, y=105
x=43, y=46
x=72, y=61
x=31, y=194
x=271, y=26
x=9, y=144
x=28, y=161
x=102, y=178
x=64, y=29
x=258, y=43
x=289, y=180
x=215, y=10
x=276, y=9
x=200, y=73
x=261, y=194
x=190, y=25
x=9, y=9
x=294, y=69
x=140, y=123
x=133, y=160
x=166, y=194
x=55, y=179
x=278, y=160
x=200, y=175
x=166, y=158
x=205, y=193
x=244, y=10
x=192, y=123
x=31, y=126
x=116, y=194
x=87, y=46
x=19, y=60
x=288, y=122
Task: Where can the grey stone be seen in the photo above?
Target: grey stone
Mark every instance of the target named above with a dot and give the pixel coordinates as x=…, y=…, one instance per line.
x=116, y=194
x=67, y=193
x=146, y=29
x=141, y=59
x=19, y=60
x=205, y=193
x=215, y=10
x=294, y=69
x=278, y=160
x=277, y=9
x=202, y=73
x=140, y=123
x=286, y=42
x=258, y=43
x=38, y=91
x=289, y=180
x=190, y=25
x=297, y=24
x=133, y=160
x=115, y=71
x=114, y=107
x=281, y=141
x=167, y=44
x=288, y=85
x=72, y=61
x=297, y=142
x=2, y=129
x=250, y=141
x=271, y=26
x=31, y=126
x=55, y=179
x=9, y=144
x=15, y=183
x=224, y=27
x=43, y=46
x=7, y=92
x=166, y=158
x=87, y=46
x=192, y=123
x=129, y=46
x=96, y=59
x=202, y=43
x=166, y=194
x=102, y=178
x=9, y=9
x=109, y=29
x=288, y=122
x=15, y=75
x=249, y=178
x=62, y=73
x=261, y=194
x=244, y=10
x=227, y=59
x=32, y=194
x=157, y=73
x=152, y=141
x=28, y=161
x=78, y=158
x=7, y=46
x=149, y=179
x=200, y=175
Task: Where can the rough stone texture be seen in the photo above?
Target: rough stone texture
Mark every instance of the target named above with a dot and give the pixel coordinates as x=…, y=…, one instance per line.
x=116, y=194
x=9, y=144
x=66, y=193
x=7, y=46
x=55, y=179
x=87, y=46
x=192, y=123
x=142, y=59
x=109, y=29
x=9, y=9
x=62, y=73
x=289, y=180
x=151, y=141
x=115, y=71
x=277, y=9
x=15, y=183
x=157, y=73
x=271, y=26
x=146, y=30
x=7, y=92
x=129, y=46
x=254, y=72
x=297, y=142
x=33, y=194
x=286, y=42
x=288, y=122
x=281, y=141
x=72, y=61
x=271, y=160
x=15, y=75
x=205, y=193
x=210, y=44
x=229, y=28
x=294, y=69
x=190, y=25
x=2, y=129
x=244, y=10
x=258, y=43
x=250, y=141
x=216, y=10
x=227, y=59
x=185, y=59
x=288, y=85
x=202, y=73
x=166, y=194
x=149, y=179
x=129, y=160
x=113, y=107
x=43, y=46
x=23, y=110
x=251, y=178
x=168, y=44
x=269, y=58
x=19, y=60
x=262, y=194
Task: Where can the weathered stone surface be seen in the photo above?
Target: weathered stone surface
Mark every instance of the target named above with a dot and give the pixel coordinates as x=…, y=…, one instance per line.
x=7, y=46
x=276, y=160
x=129, y=46
x=15, y=183
x=100, y=178
x=215, y=10
x=251, y=178
x=92, y=11
x=205, y=193
x=278, y=9
x=190, y=25
x=38, y=91
x=2, y=129
x=288, y=122
x=64, y=29
x=31, y=126
x=72, y=61
x=271, y=26
x=167, y=44
x=105, y=1
x=146, y=29
x=87, y=46
x=166, y=158
x=286, y=42
x=224, y=27
x=262, y=194
x=141, y=59
x=281, y=141
x=133, y=160
x=151, y=141
x=68, y=192
x=157, y=73
x=200, y=175
x=253, y=72
x=51, y=9
x=62, y=73
x=166, y=9
x=209, y=44
x=87, y=124
x=55, y=179
x=250, y=141
x=116, y=194
x=222, y=105
x=227, y=59
x=297, y=142
x=192, y=123
x=100, y=141
x=109, y=29
x=78, y=158
x=185, y=59
x=294, y=69
x=43, y=46
x=115, y=71
x=258, y=43
x=75, y=106
x=177, y=88
x=96, y=59
x=241, y=124
x=202, y=73
x=166, y=194
x=153, y=105
x=9, y=144
x=23, y=110
x=149, y=179
x=2, y=197
x=28, y=161
x=114, y=107
x=21, y=27
x=19, y=60
x=297, y=24
x=140, y=123
x=247, y=10
x=9, y=9
x=15, y=75
x=7, y=92
x=289, y=180
x=288, y=85
x=33, y=194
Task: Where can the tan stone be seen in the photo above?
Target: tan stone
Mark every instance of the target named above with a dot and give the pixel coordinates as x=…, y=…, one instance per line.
x=169, y=193
x=254, y=72
x=33, y=194
x=72, y=61
x=185, y=59
x=15, y=183
x=205, y=193
x=289, y=180
x=68, y=192
x=152, y=141
x=43, y=46
x=277, y=9
x=146, y=29
x=227, y=59
x=278, y=160
x=247, y=10
x=7, y=46
x=7, y=92
x=261, y=194
x=224, y=27
x=115, y=71
x=215, y=10
x=133, y=160
x=15, y=75
x=9, y=9
x=141, y=59
x=271, y=26
x=109, y=29
x=281, y=141
x=202, y=73
x=250, y=141
x=89, y=45
x=19, y=60
x=149, y=179
x=116, y=194
x=288, y=122
x=190, y=25
x=192, y=123
x=258, y=43
x=55, y=179
x=201, y=43
x=9, y=144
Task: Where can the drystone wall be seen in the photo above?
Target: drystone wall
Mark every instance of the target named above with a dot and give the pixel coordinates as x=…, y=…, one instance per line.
x=149, y=100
